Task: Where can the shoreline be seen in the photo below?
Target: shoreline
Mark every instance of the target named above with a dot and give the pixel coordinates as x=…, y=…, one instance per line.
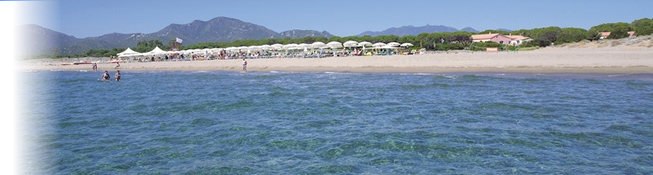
x=621, y=70
x=610, y=60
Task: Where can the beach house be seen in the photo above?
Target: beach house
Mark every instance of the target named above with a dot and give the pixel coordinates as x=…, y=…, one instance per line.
x=518, y=39
x=605, y=35
x=514, y=40
x=631, y=34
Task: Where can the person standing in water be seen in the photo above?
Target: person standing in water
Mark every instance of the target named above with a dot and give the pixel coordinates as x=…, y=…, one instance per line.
x=118, y=75
x=244, y=65
x=95, y=67
x=105, y=76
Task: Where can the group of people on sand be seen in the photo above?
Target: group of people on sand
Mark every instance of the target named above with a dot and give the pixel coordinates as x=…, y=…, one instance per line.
x=106, y=77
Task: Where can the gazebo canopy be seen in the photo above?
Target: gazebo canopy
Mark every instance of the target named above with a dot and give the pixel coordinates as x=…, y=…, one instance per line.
x=128, y=52
x=157, y=51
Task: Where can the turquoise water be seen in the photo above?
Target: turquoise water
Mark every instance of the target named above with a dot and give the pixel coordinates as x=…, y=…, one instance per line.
x=339, y=123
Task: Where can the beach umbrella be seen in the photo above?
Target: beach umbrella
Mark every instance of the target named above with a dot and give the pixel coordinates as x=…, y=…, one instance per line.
x=406, y=45
x=350, y=43
x=393, y=44
x=291, y=46
x=379, y=44
x=231, y=49
x=334, y=44
x=364, y=43
x=197, y=51
x=277, y=46
x=206, y=52
x=304, y=46
x=266, y=47
x=388, y=48
x=318, y=44
x=254, y=48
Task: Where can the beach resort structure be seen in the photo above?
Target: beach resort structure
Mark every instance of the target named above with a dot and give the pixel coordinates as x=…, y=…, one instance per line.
x=604, y=35
x=514, y=40
x=303, y=50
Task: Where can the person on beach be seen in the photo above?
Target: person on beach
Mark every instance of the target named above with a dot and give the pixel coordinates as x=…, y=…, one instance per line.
x=244, y=65
x=118, y=75
x=95, y=67
x=117, y=66
x=105, y=76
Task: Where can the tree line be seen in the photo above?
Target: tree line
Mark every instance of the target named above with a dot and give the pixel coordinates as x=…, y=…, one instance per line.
x=440, y=41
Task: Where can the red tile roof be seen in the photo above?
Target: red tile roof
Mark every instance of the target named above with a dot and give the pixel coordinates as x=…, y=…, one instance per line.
x=484, y=36
x=631, y=33
x=491, y=35
x=517, y=37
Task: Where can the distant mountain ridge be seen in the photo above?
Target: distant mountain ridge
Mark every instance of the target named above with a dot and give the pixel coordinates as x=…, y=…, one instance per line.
x=412, y=30
x=305, y=33
x=220, y=29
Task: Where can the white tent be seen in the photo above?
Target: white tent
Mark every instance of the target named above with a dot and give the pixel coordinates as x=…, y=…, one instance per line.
x=157, y=51
x=127, y=53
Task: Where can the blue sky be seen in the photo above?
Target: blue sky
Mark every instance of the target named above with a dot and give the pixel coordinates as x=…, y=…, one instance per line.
x=84, y=18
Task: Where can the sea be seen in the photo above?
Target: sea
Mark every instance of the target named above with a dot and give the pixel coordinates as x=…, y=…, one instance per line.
x=215, y=122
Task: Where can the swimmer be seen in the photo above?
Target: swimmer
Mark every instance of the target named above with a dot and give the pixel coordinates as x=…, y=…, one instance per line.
x=105, y=76
x=118, y=75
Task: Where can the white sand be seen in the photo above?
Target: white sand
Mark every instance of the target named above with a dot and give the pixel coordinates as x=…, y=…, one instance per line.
x=584, y=57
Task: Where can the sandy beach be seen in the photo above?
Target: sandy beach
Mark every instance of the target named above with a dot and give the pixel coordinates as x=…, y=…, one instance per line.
x=609, y=56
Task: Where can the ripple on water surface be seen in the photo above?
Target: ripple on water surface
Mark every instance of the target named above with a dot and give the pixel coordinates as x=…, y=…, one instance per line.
x=342, y=123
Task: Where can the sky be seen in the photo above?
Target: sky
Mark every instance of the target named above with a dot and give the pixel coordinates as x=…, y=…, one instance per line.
x=83, y=18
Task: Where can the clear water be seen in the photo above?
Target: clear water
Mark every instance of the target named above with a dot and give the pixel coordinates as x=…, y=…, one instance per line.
x=338, y=123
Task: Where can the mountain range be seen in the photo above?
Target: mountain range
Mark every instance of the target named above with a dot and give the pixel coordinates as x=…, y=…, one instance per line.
x=411, y=30
x=42, y=40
